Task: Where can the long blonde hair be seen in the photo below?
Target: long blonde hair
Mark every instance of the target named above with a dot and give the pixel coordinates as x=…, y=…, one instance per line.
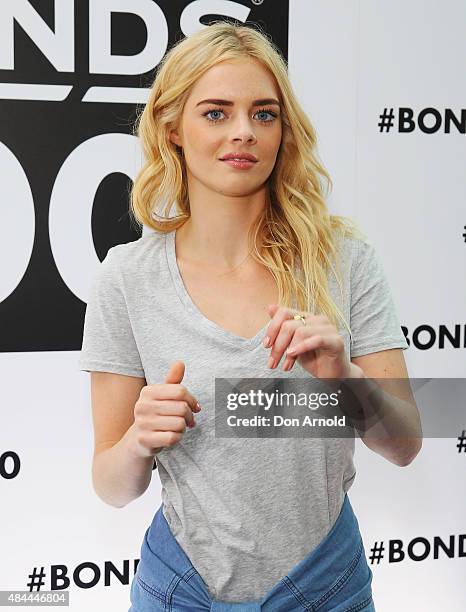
x=296, y=237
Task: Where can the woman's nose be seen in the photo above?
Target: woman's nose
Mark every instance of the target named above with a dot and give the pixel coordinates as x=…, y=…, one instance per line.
x=243, y=131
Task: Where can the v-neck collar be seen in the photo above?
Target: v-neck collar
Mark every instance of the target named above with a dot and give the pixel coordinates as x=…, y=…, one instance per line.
x=209, y=326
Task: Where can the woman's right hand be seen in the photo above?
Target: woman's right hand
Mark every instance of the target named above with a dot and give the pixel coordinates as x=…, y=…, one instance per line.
x=162, y=413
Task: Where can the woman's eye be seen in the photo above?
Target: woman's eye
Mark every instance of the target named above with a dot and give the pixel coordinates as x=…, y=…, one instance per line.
x=213, y=111
x=268, y=112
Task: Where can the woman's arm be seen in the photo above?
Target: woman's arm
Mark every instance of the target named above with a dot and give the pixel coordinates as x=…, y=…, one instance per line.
x=118, y=474
x=397, y=414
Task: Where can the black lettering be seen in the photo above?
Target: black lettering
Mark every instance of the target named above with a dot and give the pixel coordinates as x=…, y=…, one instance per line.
x=405, y=120
x=437, y=124
x=430, y=343
x=422, y=556
x=86, y=585
x=439, y=543
x=451, y=117
x=395, y=551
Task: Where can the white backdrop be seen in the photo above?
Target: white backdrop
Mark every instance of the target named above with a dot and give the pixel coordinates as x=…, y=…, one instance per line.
x=348, y=61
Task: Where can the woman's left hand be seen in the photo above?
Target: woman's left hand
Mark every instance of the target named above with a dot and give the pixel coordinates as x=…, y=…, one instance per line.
x=317, y=345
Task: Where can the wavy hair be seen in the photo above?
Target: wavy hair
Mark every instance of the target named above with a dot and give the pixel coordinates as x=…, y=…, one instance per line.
x=296, y=237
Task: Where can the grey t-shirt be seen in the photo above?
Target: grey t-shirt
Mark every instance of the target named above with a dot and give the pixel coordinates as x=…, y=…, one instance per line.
x=245, y=510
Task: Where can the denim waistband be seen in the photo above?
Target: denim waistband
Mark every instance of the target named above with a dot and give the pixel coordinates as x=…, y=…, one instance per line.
x=322, y=573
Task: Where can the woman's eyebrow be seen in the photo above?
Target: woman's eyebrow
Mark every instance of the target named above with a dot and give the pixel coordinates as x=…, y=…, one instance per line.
x=229, y=103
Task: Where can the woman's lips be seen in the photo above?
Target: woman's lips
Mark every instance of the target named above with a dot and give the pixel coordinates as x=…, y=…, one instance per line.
x=235, y=163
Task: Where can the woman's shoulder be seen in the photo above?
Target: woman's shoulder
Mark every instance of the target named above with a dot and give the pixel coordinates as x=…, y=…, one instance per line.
x=150, y=243
x=350, y=240
x=356, y=252
x=129, y=257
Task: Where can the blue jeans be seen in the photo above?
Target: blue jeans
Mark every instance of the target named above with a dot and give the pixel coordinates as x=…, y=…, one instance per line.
x=334, y=577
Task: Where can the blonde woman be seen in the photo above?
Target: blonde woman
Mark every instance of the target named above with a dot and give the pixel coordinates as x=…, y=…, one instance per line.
x=252, y=264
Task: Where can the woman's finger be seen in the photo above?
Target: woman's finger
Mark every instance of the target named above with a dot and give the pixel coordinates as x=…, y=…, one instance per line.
x=286, y=336
x=332, y=342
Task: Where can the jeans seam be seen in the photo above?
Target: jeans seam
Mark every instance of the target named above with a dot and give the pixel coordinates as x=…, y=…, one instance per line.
x=175, y=581
x=340, y=582
x=286, y=580
x=151, y=589
x=360, y=606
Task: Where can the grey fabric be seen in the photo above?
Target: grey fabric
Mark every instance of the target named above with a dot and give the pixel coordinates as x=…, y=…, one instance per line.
x=247, y=510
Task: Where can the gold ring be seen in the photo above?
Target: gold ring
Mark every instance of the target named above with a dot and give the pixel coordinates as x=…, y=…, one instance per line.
x=299, y=317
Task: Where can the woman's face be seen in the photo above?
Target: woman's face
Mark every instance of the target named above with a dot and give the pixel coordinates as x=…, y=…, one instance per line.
x=238, y=122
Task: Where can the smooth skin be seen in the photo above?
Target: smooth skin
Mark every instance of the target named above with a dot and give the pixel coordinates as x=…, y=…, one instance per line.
x=133, y=420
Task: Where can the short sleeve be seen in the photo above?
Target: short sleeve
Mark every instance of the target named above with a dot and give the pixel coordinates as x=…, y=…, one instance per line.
x=374, y=322
x=108, y=341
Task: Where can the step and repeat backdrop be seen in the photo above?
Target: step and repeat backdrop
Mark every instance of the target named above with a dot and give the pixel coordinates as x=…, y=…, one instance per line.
x=383, y=84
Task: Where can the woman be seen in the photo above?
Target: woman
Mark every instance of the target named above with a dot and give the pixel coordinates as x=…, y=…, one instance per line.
x=251, y=266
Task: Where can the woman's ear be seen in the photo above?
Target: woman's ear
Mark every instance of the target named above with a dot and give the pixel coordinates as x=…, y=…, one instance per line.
x=174, y=137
